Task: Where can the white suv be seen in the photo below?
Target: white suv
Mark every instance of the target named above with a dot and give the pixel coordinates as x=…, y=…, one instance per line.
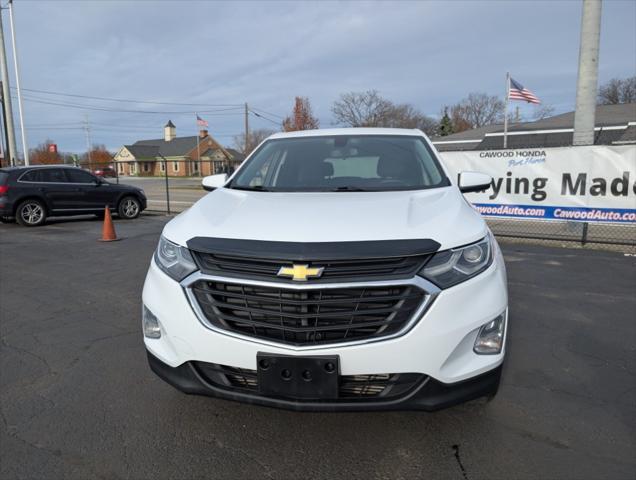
x=334, y=270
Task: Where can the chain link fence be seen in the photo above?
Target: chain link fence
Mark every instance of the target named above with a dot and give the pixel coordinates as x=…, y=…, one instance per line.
x=174, y=185
x=583, y=233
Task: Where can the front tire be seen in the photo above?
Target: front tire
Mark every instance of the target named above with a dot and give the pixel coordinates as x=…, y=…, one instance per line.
x=129, y=208
x=31, y=213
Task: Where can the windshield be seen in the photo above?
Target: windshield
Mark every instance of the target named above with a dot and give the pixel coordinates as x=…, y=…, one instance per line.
x=341, y=163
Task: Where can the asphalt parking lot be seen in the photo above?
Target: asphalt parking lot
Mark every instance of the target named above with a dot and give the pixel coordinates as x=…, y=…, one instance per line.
x=78, y=401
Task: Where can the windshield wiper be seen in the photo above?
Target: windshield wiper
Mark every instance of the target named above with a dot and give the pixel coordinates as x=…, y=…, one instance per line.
x=349, y=188
x=254, y=188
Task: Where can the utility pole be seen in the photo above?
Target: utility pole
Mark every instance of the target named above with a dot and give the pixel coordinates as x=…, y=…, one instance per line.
x=25, y=148
x=587, y=82
x=5, y=150
x=5, y=141
x=6, y=100
x=87, y=129
x=247, y=129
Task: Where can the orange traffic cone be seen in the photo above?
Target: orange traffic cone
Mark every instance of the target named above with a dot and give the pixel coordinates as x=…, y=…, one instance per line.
x=108, y=230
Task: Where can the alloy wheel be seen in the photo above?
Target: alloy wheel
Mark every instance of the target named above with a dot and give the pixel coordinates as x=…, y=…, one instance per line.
x=131, y=208
x=32, y=213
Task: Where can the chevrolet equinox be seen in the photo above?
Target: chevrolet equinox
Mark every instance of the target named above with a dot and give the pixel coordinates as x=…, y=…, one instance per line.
x=336, y=269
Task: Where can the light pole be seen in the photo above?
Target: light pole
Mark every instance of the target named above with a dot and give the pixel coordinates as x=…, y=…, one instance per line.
x=25, y=148
x=6, y=99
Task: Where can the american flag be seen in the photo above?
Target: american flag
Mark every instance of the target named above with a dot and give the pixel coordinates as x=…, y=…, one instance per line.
x=201, y=122
x=519, y=92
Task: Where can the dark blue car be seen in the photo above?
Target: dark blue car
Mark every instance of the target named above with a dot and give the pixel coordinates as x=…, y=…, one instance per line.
x=31, y=194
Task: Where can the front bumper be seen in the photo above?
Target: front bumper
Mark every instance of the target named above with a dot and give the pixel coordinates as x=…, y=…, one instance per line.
x=439, y=345
x=428, y=395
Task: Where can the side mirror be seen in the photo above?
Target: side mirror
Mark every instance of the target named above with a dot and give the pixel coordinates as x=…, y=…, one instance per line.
x=212, y=182
x=473, y=182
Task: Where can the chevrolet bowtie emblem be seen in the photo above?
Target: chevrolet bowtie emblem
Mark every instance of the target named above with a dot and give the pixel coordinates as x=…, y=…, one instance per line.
x=300, y=273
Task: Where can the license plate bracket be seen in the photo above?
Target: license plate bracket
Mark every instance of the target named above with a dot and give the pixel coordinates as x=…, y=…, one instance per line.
x=307, y=377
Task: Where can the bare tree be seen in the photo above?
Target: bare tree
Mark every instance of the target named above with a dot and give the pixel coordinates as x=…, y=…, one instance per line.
x=617, y=91
x=476, y=110
x=361, y=109
x=369, y=109
x=255, y=138
x=302, y=117
x=406, y=116
x=542, y=111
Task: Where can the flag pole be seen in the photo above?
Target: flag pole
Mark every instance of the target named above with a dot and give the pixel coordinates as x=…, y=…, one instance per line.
x=196, y=118
x=505, y=138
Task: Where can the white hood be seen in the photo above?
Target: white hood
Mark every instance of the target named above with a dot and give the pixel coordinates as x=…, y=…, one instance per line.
x=439, y=214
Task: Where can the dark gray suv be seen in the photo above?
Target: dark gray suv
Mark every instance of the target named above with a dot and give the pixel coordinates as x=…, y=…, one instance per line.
x=31, y=194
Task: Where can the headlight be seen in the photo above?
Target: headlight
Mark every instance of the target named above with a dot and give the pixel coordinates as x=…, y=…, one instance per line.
x=175, y=260
x=451, y=267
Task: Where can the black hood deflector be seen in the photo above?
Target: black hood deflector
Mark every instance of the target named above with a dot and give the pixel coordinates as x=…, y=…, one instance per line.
x=313, y=251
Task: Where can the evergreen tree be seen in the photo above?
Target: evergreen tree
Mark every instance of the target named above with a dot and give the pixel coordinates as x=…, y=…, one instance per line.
x=445, y=125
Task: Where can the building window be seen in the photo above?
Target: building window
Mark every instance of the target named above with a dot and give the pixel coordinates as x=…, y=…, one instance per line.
x=146, y=167
x=218, y=167
x=133, y=167
x=120, y=167
x=162, y=166
x=175, y=166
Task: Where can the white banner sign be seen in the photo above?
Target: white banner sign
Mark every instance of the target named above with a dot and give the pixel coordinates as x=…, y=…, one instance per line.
x=588, y=184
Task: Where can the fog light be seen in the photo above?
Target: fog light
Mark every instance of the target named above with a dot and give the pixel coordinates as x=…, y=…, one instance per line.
x=152, y=328
x=490, y=338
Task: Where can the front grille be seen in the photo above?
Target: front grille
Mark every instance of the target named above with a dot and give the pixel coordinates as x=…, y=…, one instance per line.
x=351, y=387
x=334, y=270
x=309, y=316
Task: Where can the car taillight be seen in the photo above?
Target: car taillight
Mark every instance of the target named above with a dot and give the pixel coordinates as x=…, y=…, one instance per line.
x=4, y=189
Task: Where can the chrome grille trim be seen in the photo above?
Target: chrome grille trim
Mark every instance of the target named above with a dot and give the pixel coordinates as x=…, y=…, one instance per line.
x=431, y=292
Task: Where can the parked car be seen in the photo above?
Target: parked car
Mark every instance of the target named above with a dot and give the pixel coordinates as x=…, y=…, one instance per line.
x=31, y=194
x=106, y=172
x=335, y=270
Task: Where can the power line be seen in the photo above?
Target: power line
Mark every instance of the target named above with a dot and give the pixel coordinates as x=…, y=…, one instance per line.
x=150, y=102
x=100, y=126
x=264, y=117
x=106, y=109
x=268, y=113
x=55, y=128
x=110, y=99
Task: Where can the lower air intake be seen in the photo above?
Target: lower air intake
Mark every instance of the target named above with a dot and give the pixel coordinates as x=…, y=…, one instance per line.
x=387, y=385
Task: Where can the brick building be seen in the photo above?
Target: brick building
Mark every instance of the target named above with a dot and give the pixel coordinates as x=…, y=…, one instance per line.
x=182, y=156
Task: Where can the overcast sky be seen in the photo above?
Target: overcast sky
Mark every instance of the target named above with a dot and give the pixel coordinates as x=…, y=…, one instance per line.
x=214, y=53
